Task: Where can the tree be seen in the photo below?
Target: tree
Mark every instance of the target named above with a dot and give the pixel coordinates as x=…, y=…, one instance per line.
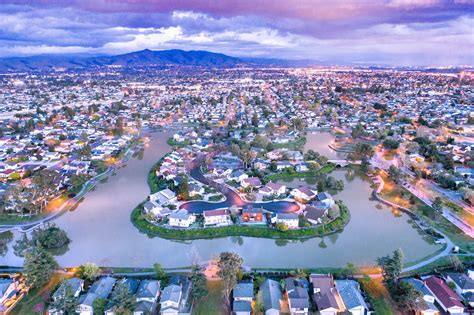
x=161, y=274
x=298, y=123
x=89, y=271
x=364, y=164
x=350, y=269
x=183, y=188
x=437, y=206
x=406, y=296
x=391, y=268
x=39, y=266
x=65, y=302
x=282, y=227
x=395, y=174
x=255, y=120
x=391, y=144
x=199, y=281
x=358, y=131
x=229, y=264
x=99, y=305
x=122, y=299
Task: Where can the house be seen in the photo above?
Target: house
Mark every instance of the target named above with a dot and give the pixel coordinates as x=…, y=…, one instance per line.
x=303, y=194
x=325, y=295
x=427, y=306
x=10, y=290
x=130, y=284
x=314, y=214
x=446, y=298
x=291, y=220
x=146, y=297
x=326, y=199
x=155, y=208
x=163, y=197
x=181, y=218
x=99, y=289
x=252, y=182
x=463, y=284
x=271, y=297
x=238, y=176
x=76, y=286
x=243, y=296
x=351, y=296
x=276, y=189
x=195, y=190
x=252, y=215
x=175, y=297
x=216, y=217
x=298, y=297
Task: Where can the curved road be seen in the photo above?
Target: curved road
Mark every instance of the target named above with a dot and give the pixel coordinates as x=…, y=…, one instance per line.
x=233, y=199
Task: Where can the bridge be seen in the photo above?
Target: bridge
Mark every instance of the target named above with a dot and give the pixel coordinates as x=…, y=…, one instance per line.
x=342, y=163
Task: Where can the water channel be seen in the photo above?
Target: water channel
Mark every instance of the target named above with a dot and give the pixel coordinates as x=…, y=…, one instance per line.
x=101, y=231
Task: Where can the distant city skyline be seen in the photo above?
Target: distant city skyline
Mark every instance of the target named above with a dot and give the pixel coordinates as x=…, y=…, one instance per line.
x=386, y=32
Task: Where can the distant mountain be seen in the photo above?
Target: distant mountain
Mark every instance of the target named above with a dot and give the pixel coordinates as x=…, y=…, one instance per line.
x=134, y=59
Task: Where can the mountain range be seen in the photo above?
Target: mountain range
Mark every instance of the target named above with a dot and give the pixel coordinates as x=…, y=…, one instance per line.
x=174, y=57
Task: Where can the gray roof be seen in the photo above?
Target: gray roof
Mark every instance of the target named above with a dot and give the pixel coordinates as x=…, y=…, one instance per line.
x=102, y=287
x=287, y=216
x=242, y=306
x=271, y=294
x=145, y=307
x=297, y=293
x=462, y=280
x=171, y=293
x=4, y=284
x=148, y=289
x=350, y=293
x=74, y=283
x=421, y=287
x=243, y=290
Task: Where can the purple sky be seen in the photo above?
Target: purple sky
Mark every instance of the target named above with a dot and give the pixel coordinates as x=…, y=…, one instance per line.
x=396, y=32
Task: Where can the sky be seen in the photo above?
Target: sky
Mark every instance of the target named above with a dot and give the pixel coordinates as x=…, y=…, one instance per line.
x=379, y=32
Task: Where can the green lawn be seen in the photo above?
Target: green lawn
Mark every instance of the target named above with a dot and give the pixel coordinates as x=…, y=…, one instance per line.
x=14, y=219
x=213, y=302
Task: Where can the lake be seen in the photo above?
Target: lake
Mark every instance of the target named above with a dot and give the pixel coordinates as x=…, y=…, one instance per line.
x=101, y=231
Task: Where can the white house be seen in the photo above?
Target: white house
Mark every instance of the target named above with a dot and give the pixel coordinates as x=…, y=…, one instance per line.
x=216, y=217
x=304, y=194
x=181, y=218
x=243, y=296
x=463, y=284
x=290, y=219
x=147, y=297
x=163, y=197
x=99, y=289
x=427, y=307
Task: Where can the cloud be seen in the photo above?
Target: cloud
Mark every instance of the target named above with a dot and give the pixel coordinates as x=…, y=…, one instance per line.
x=386, y=31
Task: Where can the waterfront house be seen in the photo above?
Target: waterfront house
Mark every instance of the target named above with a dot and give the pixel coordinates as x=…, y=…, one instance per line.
x=155, y=208
x=448, y=300
x=352, y=297
x=175, y=297
x=427, y=306
x=181, y=218
x=242, y=298
x=271, y=297
x=99, y=289
x=216, y=217
x=303, y=194
x=315, y=213
x=164, y=197
x=76, y=286
x=326, y=199
x=297, y=294
x=325, y=294
x=147, y=297
x=290, y=219
x=250, y=214
x=11, y=290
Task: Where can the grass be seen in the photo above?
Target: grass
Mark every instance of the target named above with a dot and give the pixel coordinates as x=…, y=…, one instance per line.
x=213, y=303
x=38, y=296
x=441, y=263
x=293, y=145
x=15, y=219
x=237, y=230
x=278, y=176
x=378, y=296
